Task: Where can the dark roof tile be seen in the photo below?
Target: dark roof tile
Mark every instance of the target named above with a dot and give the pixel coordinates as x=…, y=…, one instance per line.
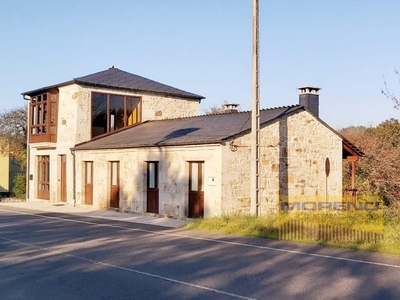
x=118, y=79
x=206, y=129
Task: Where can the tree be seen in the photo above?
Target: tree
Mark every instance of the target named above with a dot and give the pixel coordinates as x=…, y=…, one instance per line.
x=216, y=109
x=391, y=95
x=378, y=173
x=13, y=133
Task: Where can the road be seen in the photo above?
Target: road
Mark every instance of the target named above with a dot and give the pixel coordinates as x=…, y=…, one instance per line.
x=60, y=256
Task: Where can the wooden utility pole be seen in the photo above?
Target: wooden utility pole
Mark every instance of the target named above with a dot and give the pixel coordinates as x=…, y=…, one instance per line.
x=255, y=118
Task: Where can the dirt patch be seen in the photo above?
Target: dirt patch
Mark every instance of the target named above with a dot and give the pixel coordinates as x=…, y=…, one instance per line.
x=11, y=200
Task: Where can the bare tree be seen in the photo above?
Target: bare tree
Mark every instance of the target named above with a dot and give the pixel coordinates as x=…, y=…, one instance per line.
x=391, y=95
x=215, y=109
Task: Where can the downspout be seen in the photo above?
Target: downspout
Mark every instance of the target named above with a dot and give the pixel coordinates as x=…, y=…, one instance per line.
x=74, y=177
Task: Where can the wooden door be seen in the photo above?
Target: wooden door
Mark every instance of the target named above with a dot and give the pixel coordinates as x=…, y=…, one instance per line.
x=63, y=178
x=88, y=182
x=44, y=177
x=114, y=184
x=196, y=190
x=152, y=187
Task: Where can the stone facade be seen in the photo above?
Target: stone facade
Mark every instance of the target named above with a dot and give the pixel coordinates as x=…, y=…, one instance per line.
x=292, y=157
x=173, y=178
x=74, y=126
x=293, y=152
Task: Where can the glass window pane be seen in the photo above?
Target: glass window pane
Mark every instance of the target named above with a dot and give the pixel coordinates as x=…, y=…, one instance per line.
x=195, y=177
x=99, y=114
x=52, y=112
x=114, y=173
x=39, y=114
x=132, y=110
x=88, y=172
x=116, y=112
x=152, y=175
x=202, y=177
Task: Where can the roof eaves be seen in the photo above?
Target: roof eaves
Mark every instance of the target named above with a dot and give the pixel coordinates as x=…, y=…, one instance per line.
x=37, y=91
x=122, y=146
x=353, y=147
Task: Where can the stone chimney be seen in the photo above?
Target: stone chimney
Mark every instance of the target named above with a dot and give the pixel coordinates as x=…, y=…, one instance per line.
x=231, y=108
x=309, y=98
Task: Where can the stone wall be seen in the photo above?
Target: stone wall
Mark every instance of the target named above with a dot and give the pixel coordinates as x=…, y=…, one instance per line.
x=292, y=157
x=173, y=178
x=157, y=107
x=74, y=126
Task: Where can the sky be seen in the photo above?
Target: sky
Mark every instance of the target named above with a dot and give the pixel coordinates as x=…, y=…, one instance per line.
x=347, y=48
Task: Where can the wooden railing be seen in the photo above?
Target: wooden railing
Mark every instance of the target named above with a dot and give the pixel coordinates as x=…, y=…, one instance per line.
x=294, y=230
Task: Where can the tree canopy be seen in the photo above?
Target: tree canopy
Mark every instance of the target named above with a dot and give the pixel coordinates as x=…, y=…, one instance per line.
x=13, y=133
x=378, y=173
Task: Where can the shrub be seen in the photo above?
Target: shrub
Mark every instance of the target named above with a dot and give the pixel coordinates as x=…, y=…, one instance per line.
x=19, y=189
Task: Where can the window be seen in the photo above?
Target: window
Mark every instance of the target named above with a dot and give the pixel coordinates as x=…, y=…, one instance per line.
x=112, y=112
x=43, y=118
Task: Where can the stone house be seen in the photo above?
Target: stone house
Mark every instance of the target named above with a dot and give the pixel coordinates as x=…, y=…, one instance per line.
x=117, y=140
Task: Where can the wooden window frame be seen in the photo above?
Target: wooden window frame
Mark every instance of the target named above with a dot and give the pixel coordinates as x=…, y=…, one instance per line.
x=43, y=110
x=108, y=95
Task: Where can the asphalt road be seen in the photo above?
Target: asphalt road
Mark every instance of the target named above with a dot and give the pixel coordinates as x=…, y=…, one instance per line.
x=56, y=256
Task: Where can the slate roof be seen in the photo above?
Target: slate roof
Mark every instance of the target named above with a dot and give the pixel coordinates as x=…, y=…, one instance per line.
x=207, y=129
x=119, y=79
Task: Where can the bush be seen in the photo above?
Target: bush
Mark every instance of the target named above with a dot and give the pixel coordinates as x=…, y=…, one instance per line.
x=19, y=189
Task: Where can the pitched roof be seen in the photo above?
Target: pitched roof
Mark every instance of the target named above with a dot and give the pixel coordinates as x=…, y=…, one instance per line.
x=207, y=129
x=119, y=79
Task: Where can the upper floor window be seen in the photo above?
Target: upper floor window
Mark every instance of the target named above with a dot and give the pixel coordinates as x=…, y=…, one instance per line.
x=111, y=112
x=43, y=118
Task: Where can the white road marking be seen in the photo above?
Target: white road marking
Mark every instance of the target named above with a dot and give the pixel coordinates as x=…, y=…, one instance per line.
x=129, y=269
x=215, y=240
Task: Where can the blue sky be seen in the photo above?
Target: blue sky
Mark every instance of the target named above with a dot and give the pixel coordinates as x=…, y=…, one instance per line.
x=204, y=46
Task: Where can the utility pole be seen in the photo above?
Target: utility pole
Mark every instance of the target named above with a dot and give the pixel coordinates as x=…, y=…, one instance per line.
x=255, y=118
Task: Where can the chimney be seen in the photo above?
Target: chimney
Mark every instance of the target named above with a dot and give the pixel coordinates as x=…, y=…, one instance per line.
x=309, y=98
x=231, y=108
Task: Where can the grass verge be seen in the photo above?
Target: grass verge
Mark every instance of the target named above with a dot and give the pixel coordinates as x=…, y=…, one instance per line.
x=268, y=227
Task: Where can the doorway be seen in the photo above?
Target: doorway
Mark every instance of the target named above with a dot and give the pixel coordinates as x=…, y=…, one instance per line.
x=88, y=182
x=63, y=177
x=44, y=177
x=196, y=189
x=152, y=187
x=114, y=184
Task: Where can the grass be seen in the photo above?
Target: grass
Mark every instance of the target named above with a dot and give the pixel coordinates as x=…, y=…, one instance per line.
x=386, y=222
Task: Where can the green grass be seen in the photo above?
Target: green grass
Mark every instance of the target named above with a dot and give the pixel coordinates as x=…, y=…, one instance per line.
x=268, y=227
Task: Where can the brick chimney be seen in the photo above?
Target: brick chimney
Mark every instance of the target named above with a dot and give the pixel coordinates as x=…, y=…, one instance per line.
x=231, y=108
x=309, y=98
